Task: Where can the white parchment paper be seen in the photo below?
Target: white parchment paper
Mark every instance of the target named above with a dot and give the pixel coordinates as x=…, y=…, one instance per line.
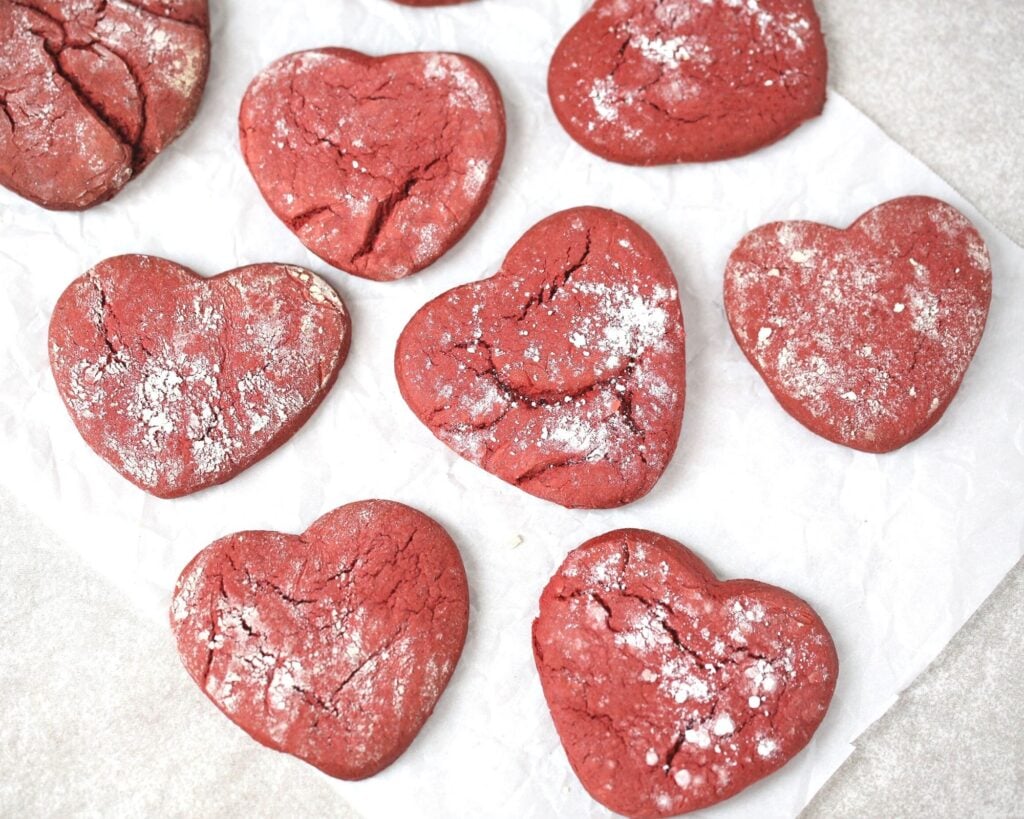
x=894, y=551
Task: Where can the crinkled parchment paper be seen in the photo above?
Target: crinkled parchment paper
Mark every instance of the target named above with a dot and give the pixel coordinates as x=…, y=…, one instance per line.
x=894, y=551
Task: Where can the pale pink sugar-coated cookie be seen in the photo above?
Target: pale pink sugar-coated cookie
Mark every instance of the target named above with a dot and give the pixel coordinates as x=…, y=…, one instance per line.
x=648, y=82
x=378, y=164
x=92, y=90
x=333, y=645
x=564, y=373
x=863, y=335
x=181, y=382
x=672, y=690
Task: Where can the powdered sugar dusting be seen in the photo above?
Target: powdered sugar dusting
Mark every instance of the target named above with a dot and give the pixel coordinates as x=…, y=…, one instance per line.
x=740, y=678
x=98, y=88
x=467, y=90
x=573, y=366
x=382, y=179
x=299, y=640
x=184, y=382
x=870, y=330
x=672, y=68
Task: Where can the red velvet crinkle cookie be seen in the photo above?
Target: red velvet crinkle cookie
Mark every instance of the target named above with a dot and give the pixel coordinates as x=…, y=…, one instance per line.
x=92, y=90
x=864, y=334
x=181, y=382
x=429, y=2
x=378, y=165
x=333, y=645
x=672, y=690
x=648, y=82
x=564, y=373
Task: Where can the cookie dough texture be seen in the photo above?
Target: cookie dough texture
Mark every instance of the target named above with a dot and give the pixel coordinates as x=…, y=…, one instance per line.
x=672, y=690
x=181, y=382
x=378, y=165
x=564, y=373
x=650, y=82
x=333, y=645
x=863, y=335
x=92, y=90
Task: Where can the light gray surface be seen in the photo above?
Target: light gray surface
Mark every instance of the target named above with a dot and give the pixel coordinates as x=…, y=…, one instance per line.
x=944, y=78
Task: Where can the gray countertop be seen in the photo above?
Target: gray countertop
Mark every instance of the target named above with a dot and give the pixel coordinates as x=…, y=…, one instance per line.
x=943, y=77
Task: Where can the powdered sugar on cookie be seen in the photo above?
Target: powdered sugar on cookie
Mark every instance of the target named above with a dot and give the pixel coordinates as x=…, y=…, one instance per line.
x=378, y=165
x=334, y=645
x=181, y=382
x=93, y=91
x=864, y=334
x=672, y=691
x=564, y=373
x=654, y=81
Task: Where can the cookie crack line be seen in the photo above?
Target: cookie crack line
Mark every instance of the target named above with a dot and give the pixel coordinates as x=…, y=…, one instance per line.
x=99, y=36
x=89, y=102
x=139, y=159
x=103, y=320
x=223, y=601
x=104, y=309
x=552, y=288
x=515, y=397
x=672, y=690
x=537, y=400
x=91, y=105
x=384, y=209
x=733, y=657
x=6, y=111
x=414, y=140
x=622, y=732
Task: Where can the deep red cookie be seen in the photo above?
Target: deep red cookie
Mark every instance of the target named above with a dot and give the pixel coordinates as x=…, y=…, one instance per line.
x=181, y=382
x=378, y=165
x=648, y=82
x=565, y=372
x=864, y=334
x=333, y=645
x=671, y=690
x=92, y=90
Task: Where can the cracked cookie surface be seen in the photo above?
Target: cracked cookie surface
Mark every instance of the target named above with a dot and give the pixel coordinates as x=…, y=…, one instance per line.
x=564, y=373
x=181, y=382
x=334, y=645
x=650, y=82
x=378, y=165
x=92, y=90
x=672, y=690
x=863, y=335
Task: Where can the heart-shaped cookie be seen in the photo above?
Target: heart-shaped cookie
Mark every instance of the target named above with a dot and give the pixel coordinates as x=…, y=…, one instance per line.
x=648, y=82
x=671, y=690
x=864, y=334
x=92, y=90
x=334, y=645
x=378, y=165
x=565, y=372
x=181, y=382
